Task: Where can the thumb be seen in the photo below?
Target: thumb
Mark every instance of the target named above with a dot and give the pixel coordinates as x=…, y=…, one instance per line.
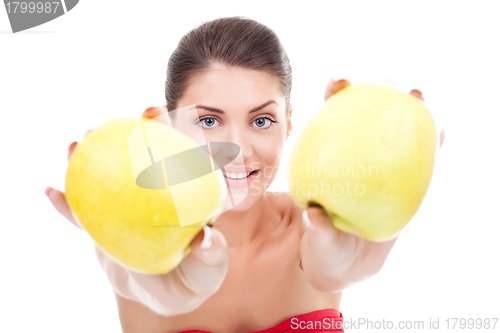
x=205, y=267
x=331, y=248
x=58, y=200
x=318, y=225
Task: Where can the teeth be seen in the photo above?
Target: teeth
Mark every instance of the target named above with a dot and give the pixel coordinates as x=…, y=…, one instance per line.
x=234, y=175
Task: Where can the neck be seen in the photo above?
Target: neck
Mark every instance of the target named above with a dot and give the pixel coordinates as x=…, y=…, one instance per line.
x=242, y=227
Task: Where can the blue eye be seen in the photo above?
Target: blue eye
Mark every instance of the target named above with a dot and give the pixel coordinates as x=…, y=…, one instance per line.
x=208, y=122
x=211, y=122
x=263, y=122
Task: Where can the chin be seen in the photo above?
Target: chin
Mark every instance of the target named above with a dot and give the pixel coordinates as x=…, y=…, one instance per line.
x=243, y=200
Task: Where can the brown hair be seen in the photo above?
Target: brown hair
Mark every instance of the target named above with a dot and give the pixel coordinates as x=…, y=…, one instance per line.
x=231, y=41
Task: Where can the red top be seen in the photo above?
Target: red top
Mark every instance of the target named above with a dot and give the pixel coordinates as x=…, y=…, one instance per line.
x=320, y=321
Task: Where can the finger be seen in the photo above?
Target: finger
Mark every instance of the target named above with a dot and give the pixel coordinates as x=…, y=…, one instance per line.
x=318, y=223
x=441, y=133
x=390, y=83
x=441, y=136
x=417, y=94
x=152, y=112
x=326, y=245
x=199, y=275
x=335, y=86
x=71, y=148
x=320, y=232
x=58, y=200
x=158, y=113
x=187, y=287
x=73, y=145
x=204, y=269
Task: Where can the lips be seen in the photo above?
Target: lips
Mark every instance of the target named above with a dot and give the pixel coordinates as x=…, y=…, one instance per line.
x=237, y=172
x=246, y=179
x=239, y=175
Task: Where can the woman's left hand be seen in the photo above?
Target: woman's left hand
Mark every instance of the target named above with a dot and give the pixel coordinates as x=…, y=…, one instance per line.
x=332, y=259
x=335, y=86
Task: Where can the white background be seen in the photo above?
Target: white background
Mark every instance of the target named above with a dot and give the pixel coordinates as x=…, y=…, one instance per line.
x=107, y=59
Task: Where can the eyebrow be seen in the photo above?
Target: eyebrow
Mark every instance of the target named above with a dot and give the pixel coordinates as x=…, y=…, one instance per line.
x=209, y=108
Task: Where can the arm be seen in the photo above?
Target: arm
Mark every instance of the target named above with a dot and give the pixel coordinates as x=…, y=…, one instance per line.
x=182, y=290
x=331, y=259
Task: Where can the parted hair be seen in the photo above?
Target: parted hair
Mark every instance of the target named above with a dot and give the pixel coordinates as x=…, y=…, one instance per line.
x=230, y=41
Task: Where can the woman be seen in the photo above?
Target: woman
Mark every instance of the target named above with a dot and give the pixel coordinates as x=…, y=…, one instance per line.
x=264, y=264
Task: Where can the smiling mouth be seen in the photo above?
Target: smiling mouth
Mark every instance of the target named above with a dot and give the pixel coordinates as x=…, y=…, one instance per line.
x=238, y=175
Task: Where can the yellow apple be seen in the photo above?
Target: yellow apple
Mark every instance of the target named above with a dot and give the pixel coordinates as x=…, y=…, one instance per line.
x=117, y=191
x=367, y=158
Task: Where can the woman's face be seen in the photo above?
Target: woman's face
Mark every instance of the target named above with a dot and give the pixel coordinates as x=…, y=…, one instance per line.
x=244, y=107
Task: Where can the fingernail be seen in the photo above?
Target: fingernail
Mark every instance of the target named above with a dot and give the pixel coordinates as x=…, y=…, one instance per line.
x=206, y=243
x=341, y=81
x=417, y=91
x=307, y=221
x=47, y=190
x=71, y=144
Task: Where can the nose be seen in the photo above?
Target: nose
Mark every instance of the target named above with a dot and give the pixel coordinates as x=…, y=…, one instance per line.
x=241, y=138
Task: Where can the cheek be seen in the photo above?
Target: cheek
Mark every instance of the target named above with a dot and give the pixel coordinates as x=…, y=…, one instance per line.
x=270, y=157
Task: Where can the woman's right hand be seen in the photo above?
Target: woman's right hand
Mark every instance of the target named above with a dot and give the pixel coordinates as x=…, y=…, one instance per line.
x=181, y=290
